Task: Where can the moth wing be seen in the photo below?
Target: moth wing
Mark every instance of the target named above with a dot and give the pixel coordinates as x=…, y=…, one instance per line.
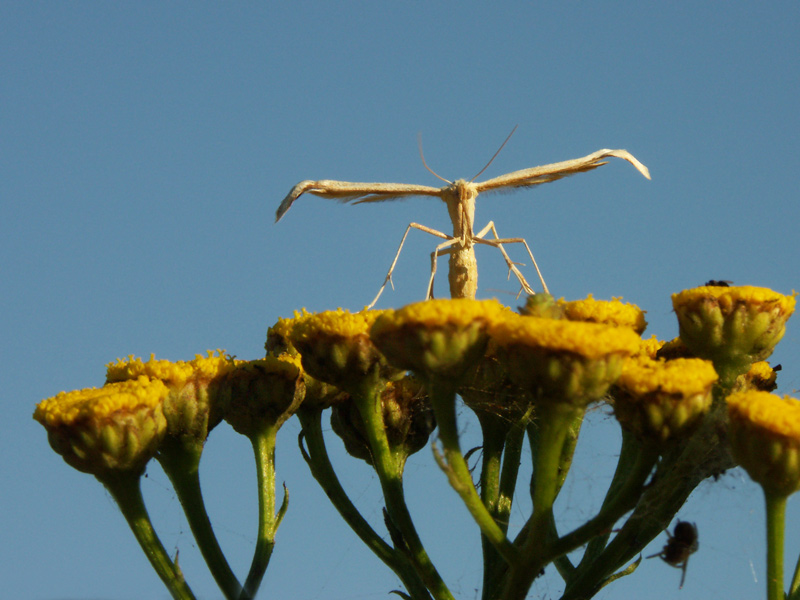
x=346, y=191
x=559, y=170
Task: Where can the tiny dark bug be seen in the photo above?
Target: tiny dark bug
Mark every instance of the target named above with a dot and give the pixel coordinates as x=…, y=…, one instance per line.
x=681, y=544
x=718, y=282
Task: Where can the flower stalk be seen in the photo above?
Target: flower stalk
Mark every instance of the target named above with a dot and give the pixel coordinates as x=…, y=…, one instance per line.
x=125, y=488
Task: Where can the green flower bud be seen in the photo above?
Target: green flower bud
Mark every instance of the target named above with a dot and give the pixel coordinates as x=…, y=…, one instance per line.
x=542, y=305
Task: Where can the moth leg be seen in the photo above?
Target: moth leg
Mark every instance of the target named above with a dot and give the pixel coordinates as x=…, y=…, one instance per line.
x=396, y=256
x=498, y=242
x=440, y=250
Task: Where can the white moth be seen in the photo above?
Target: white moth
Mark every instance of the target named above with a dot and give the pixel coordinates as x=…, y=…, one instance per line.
x=459, y=196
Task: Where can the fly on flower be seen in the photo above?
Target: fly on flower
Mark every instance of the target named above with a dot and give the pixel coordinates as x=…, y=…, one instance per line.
x=679, y=547
x=459, y=196
x=718, y=283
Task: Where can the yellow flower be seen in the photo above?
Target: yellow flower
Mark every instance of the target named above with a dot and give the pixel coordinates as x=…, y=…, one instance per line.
x=263, y=393
x=441, y=337
x=732, y=326
x=650, y=347
x=765, y=439
x=193, y=407
x=760, y=377
x=100, y=430
x=278, y=335
x=660, y=400
x=613, y=312
x=336, y=348
x=557, y=360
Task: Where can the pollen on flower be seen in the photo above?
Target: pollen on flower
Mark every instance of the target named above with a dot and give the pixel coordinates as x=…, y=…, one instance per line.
x=67, y=408
x=174, y=373
x=613, y=312
x=334, y=322
x=728, y=297
x=278, y=335
x=684, y=376
x=779, y=415
x=591, y=340
x=458, y=311
x=649, y=348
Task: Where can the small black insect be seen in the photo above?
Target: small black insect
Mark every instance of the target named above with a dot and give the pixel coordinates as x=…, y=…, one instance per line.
x=681, y=544
x=718, y=282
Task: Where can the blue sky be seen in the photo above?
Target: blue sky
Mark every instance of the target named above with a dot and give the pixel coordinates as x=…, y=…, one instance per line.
x=145, y=147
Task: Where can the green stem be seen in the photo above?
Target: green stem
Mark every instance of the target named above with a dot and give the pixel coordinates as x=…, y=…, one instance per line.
x=621, y=501
x=679, y=471
x=180, y=460
x=125, y=489
x=511, y=461
x=628, y=454
x=554, y=420
x=268, y=522
x=443, y=396
x=794, y=590
x=322, y=470
x=507, y=485
x=389, y=468
x=494, y=430
x=776, y=520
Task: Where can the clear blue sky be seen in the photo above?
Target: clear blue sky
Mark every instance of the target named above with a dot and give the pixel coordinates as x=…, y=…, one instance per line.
x=144, y=149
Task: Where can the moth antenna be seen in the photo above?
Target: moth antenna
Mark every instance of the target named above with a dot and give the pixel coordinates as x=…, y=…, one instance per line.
x=495, y=154
x=422, y=156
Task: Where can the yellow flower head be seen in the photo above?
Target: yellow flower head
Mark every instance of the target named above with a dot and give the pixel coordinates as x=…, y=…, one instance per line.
x=613, y=312
x=100, y=430
x=437, y=337
x=335, y=348
x=176, y=373
x=278, y=335
x=193, y=407
x=661, y=400
x=263, y=393
x=649, y=348
x=732, y=326
x=765, y=438
x=558, y=360
x=760, y=377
